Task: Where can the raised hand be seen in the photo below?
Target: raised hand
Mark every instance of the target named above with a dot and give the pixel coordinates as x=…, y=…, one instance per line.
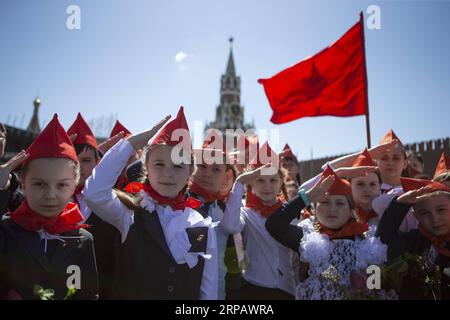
x=354, y=172
x=377, y=151
x=105, y=146
x=8, y=167
x=319, y=190
x=414, y=196
x=140, y=140
x=248, y=176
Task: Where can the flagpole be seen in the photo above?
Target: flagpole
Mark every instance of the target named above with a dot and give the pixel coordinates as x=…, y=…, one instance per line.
x=361, y=20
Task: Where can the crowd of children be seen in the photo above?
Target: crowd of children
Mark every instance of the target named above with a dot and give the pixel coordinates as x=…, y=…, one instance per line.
x=126, y=219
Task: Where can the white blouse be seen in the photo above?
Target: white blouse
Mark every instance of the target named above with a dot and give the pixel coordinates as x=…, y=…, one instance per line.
x=382, y=202
x=227, y=224
x=267, y=262
x=104, y=202
x=85, y=210
x=331, y=263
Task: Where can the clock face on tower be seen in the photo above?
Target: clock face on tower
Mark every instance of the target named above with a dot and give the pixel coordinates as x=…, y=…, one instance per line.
x=235, y=110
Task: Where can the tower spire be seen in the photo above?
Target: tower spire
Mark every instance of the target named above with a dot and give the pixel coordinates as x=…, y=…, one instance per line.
x=34, y=123
x=229, y=112
x=230, y=66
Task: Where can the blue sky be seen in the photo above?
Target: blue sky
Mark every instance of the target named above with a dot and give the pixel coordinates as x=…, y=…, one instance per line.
x=122, y=61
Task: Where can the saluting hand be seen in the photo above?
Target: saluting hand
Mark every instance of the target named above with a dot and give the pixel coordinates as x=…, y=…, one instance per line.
x=320, y=189
x=6, y=168
x=106, y=145
x=377, y=151
x=248, y=176
x=354, y=172
x=414, y=196
x=140, y=140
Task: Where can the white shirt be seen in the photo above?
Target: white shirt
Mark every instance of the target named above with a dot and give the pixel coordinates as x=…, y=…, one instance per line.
x=382, y=202
x=85, y=210
x=228, y=224
x=268, y=261
x=100, y=197
x=307, y=185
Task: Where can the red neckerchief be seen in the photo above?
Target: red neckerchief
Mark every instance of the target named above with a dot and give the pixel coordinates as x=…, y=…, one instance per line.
x=205, y=194
x=177, y=203
x=66, y=221
x=350, y=229
x=439, y=243
x=364, y=216
x=252, y=201
x=122, y=182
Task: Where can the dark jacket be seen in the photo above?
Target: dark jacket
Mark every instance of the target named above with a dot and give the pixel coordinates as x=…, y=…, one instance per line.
x=279, y=224
x=106, y=242
x=410, y=242
x=146, y=269
x=24, y=263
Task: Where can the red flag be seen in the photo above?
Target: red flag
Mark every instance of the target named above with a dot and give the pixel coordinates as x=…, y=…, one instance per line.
x=331, y=83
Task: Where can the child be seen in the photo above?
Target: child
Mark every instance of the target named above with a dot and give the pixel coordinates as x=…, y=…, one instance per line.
x=106, y=236
x=334, y=247
x=365, y=181
x=392, y=163
x=290, y=163
x=365, y=188
x=168, y=249
x=205, y=185
x=268, y=273
x=391, y=159
x=291, y=189
x=42, y=243
x=227, y=183
x=233, y=253
x=122, y=180
x=415, y=163
x=431, y=202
